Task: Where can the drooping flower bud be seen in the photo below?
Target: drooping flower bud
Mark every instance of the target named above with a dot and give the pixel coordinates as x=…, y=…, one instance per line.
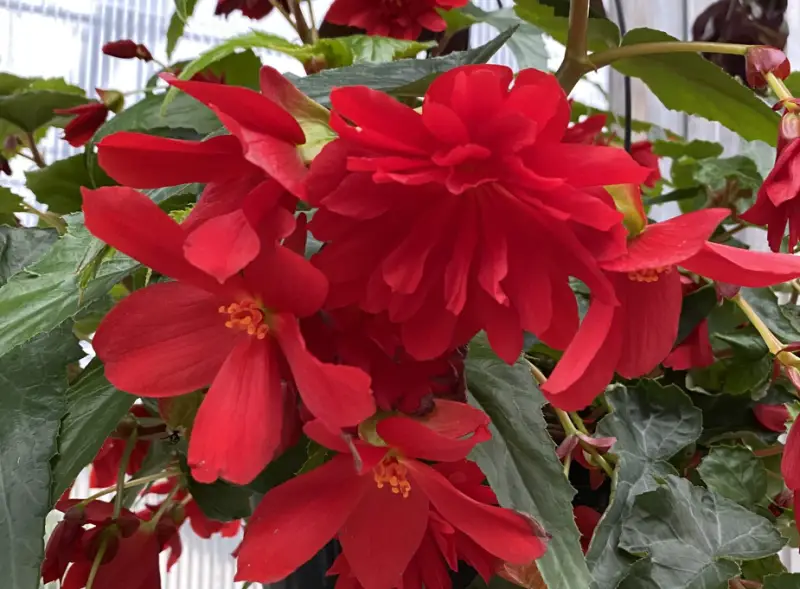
x=127, y=49
x=763, y=60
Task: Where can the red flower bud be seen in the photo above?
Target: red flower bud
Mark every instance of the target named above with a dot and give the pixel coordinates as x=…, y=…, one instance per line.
x=127, y=49
x=762, y=60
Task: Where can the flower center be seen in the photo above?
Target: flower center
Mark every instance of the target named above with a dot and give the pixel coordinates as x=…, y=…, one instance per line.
x=649, y=274
x=246, y=316
x=392, y=472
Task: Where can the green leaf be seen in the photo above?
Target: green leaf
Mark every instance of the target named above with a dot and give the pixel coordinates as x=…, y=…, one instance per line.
x=282, y=468
x=94, y=407
x=220, y=500
x=403, y=78
x=239, y=69
x=48, y=293
x=32, y=109
x=521, y=455
x=175, y=197
x=602, y=33
x=792, y=83
x=735, y=473
x=678, y=79
x=716, y=173
x=758, y=570
x=19, y=248
x=32, y=404
x=695, y=308
x=184, y=9
x=651, y=423
x=777, y=317
x=527, y=43
x=696, y=149
x=693, y=537
x=10, y=203
x=784, y=581
x=9, y=83
x=179, y=412
x=59, y=184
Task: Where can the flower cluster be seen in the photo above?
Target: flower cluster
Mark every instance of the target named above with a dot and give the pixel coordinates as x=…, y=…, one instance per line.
x=479, y=211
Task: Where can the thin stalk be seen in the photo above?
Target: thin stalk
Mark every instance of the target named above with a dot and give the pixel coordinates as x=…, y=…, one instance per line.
x=167, y=503
x=575, y=63
x=49, y=219
x=123, y=467
x=731, y=232
x=279, y=7
x=300, y=21
x=609, y=56
x=778, y=87
x=134, y=483
x=773, y=343
x=36, y=156
x=313, y=21
x=98, y=559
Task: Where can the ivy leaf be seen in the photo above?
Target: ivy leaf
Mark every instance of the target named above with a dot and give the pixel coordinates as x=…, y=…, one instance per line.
x=677, y=79
x=651, y=423
x=735, y=473
x=94, y=407
x=784, y=581
x=184, y=9
x=407, y=78
x=47, y=293
x=32, y=404
x=602, y=33
x=692, y=537
x=19, y=248
x=59, y=184
x=521, y=455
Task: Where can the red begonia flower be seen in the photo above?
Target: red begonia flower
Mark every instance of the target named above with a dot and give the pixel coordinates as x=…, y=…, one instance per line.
x=772, y=417
x=633, y=338
x=391, y=489
x=763, y=59
x=254, y=9
x=586, y=519
x=241, y=337
x=401, y=19
x=777, y=204
x=87, y=118
x=469, y=215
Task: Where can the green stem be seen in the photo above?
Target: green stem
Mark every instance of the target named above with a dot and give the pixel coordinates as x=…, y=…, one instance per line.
x=279, y=7
x=134, y=483
x=576, y=419
x=300, y=21
x=773, y=343
x=575, y=63
x=165, y=505
x=98, y=559
x=123, y=467
x=36, y=156
x=49, y=219
x=778, y=87
x=313, y=21
x=609, y=56
x=731, y=232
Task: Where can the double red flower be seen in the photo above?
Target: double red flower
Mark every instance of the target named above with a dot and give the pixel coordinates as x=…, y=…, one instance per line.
x=381, y=510
x=240, y=336
x=401, y=19
x=469, y=215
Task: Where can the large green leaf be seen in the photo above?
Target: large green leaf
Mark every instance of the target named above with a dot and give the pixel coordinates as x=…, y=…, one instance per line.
x=94, y=407
x=651, y=424
x=33, y=109
x=678, y=79
x=10, y=203
x=403, y=78
x=20, y=248
x=45, y=294
x=784, y=581
x=781, y=320
x=59, y=184
x=693, y=537
x=736, y=474
x=32, y=402
x=521, y=455
x=602, y=33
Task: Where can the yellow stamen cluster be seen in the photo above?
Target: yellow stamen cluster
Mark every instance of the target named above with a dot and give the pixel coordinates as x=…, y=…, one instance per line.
x=392, y=472
x=649, y=274
x=246, y=316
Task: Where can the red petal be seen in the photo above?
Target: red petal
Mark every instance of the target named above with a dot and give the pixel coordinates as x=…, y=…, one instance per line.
x=669, y=242
x=743, y=267
x=790, y=463
x=382, y=534
x=587, y=365
x=147, y=161
x=651, y=312
x=339, y=395
x=130, y=222
x=540, y=97
x=238, y=427
x=166, y=339
x=693, y=352
x=586, y=165
x=295, y=520
x=772, y=417
x=286, y=282
x=501, y=532
x=416, y=440
x=223, y=245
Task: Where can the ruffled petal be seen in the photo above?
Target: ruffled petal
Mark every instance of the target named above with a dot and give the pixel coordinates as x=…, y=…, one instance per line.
x=586, y=165
x=295, y=520
x=223, y=245
x=130, y=222
x=238, y=427
x=743, y=267
x=539, y=96
x=163, y=340
x=501, y=532
x=382, y=534
x=339, y=395
x=148, y=161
